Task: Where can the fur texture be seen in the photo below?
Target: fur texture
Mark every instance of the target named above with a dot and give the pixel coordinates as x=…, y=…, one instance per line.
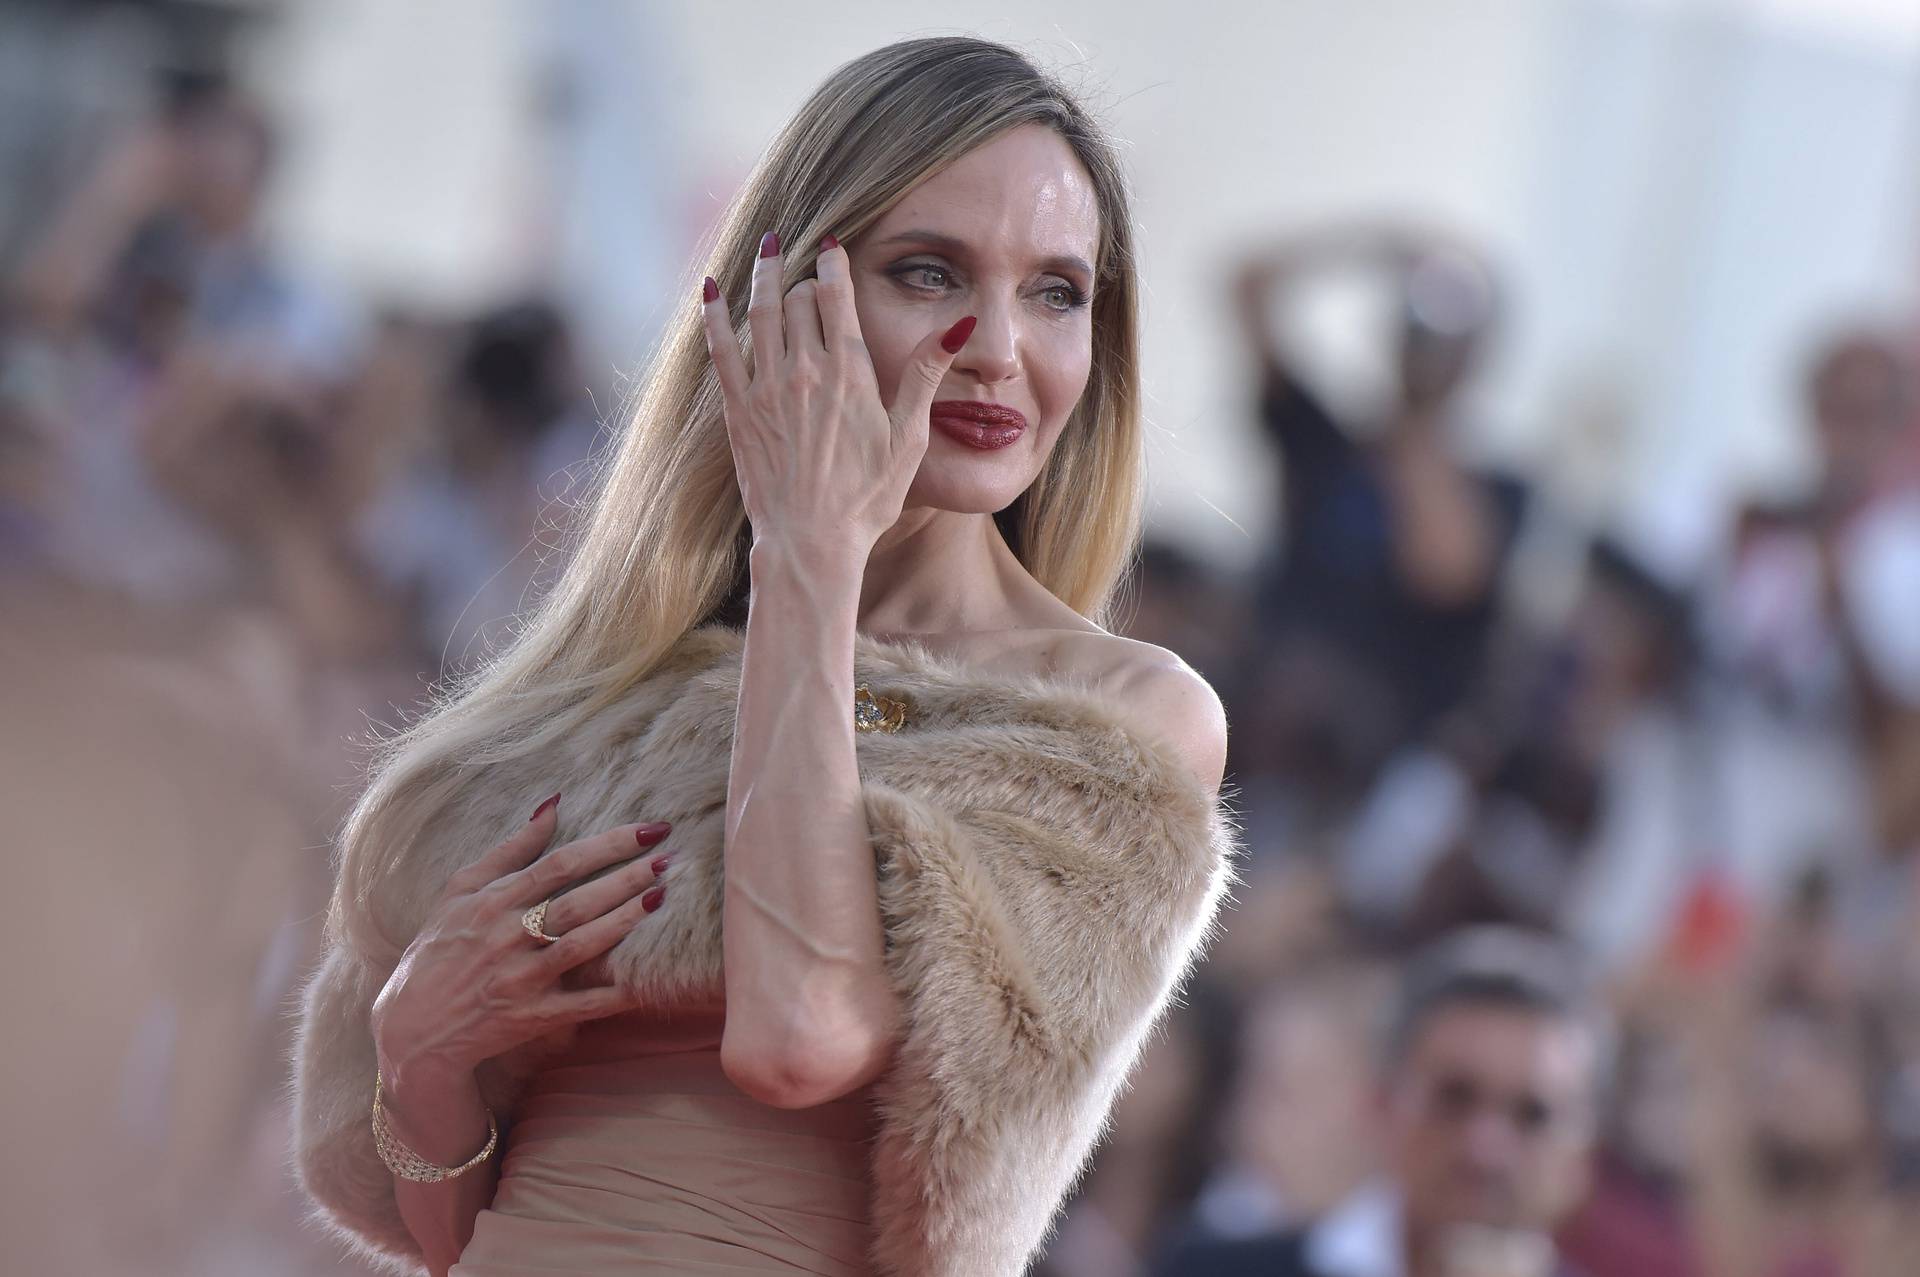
x=1046, y=879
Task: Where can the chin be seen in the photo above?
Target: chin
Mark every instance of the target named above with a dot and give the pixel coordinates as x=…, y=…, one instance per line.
x=981, y=483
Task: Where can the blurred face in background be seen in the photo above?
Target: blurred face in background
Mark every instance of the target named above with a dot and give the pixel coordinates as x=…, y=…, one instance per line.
x=225, y=150
x=1008, y=233
x=1814, y=1129
x=1490, y=1119
x=1859, y=397
x=1300, y=1115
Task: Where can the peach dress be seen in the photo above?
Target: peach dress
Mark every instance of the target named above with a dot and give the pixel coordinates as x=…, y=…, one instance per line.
x=634, y=1154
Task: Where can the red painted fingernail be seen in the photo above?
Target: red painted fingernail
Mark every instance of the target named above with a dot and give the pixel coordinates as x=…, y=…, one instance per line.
x=709, y=291
x=651, y=833
x=828, y=243
x=651, y=900
x=769, y=245
x=659, y=864
x=956, y=336
x=541, y=810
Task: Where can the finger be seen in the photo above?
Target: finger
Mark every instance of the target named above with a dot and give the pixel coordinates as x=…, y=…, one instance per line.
x=763, y=304
x=926, y=369
x=803, y=320
x=723, y=346
x=591, y=939
x=568, y=864
x=575, y=1005
x=517, y=852
x=582, y=904
x=833, y=297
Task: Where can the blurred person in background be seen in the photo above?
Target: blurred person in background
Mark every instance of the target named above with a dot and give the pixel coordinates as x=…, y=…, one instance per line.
x=1488, y=1101
x=1813, y=628
x=460, y=533
x=1372, y=617
x=151, y=306
x=199, y=423
x=1556, y=796
x=1633, y=1223
x=204, y=427
x=1297, y=1132
x=192, y=640
x=1763, y=1127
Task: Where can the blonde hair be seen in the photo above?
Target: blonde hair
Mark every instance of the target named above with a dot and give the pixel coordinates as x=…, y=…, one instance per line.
x=659, y=547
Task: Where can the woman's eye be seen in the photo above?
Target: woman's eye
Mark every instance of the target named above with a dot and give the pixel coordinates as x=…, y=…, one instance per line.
x=926, y=276
x=1064, y=296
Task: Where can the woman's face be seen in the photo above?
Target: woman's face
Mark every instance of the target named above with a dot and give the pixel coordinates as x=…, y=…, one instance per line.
x=1008, y=233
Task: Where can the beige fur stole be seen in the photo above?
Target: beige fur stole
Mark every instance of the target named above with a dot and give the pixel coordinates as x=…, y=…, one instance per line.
x=1047, y=876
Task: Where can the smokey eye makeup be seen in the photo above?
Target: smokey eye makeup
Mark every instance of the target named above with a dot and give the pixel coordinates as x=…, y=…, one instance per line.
x=921, y=276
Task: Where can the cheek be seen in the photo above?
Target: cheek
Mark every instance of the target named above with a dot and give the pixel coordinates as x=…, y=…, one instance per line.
x=1061, y=372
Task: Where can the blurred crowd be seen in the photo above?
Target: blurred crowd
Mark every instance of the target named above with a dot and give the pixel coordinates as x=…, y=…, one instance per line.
x=1580, y=926
x=244, y=522
x=1463, y=719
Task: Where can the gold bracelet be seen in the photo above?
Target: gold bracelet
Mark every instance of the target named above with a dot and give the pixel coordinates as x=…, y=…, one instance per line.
x=406, y=1163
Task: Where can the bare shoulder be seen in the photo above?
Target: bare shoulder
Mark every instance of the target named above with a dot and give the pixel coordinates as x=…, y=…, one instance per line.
x=1156, y=693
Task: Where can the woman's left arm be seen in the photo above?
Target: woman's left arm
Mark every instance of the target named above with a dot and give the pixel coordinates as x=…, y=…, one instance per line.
x=824, y=467
x=810, y=1013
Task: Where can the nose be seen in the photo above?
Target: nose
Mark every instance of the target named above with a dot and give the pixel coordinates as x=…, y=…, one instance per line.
x=992, y=353
x=1489, y=1140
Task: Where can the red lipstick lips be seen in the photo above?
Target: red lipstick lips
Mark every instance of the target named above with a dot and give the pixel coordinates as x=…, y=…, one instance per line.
x=978, y=425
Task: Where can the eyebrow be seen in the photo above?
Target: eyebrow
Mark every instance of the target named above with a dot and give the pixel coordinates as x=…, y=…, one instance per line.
x=1060, y=263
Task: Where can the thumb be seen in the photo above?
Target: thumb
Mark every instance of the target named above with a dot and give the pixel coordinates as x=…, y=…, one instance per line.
x=926, y=369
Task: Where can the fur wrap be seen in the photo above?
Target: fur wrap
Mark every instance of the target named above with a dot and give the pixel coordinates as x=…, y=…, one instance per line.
x=1047, y=877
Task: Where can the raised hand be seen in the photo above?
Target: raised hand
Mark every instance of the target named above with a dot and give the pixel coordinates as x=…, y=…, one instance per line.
x=820, y=458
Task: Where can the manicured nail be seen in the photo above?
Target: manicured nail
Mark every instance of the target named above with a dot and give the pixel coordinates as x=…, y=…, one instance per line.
x=709, y=291
x=956, y=336
x=651, y=900
x=541, y=810
x=651, y=833
x=769, y=245
x=829, y=243
x=659, y=864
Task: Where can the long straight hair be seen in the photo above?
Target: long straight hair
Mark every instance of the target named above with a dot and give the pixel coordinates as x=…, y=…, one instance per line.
x=659, y=546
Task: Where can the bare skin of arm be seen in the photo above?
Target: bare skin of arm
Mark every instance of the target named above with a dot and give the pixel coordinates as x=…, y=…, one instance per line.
x=64, y=271
x=1443, y=541
x=810, y=1014
x=824, y=458
x=824, y=467
x=1727, y=1219
x=1441, y=529
x=444, y=1120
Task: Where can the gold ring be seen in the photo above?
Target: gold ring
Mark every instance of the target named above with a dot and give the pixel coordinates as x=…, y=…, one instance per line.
x=534, y=922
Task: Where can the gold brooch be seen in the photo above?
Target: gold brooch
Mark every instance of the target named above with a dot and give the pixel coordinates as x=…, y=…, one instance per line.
x=877, y=713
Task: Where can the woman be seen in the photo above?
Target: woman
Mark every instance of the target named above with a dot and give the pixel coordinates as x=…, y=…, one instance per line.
x=925, y=849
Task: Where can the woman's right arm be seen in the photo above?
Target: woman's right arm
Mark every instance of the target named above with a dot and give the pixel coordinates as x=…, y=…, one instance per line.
x=474, y=985
x=445, y=1121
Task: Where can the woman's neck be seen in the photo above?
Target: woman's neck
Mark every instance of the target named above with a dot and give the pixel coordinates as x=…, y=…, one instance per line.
x=938, y=572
